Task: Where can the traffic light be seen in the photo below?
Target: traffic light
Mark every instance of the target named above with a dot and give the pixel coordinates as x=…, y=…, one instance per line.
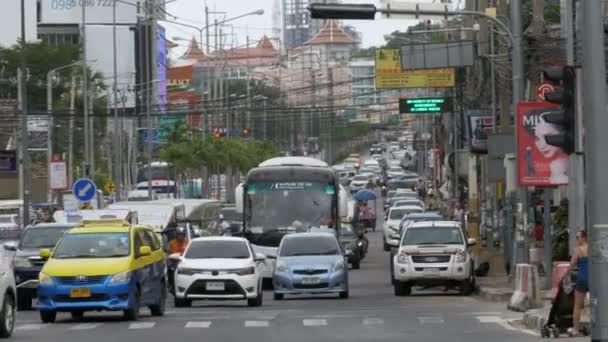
x=565, y=117
x=245, y=132
x=217, y=135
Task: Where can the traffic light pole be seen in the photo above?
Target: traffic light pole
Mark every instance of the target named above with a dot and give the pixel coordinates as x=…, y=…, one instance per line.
x=596, y=140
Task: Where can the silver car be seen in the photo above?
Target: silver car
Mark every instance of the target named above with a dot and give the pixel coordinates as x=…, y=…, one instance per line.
x=8, y=297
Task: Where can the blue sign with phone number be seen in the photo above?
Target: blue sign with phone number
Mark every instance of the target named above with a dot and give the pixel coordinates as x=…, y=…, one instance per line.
x=67, y=5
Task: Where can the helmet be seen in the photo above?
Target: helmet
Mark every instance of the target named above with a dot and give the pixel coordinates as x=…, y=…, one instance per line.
x=181, y=231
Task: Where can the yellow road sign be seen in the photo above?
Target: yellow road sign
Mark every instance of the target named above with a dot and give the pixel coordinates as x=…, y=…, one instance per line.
x=109, y=188
x=390, y=76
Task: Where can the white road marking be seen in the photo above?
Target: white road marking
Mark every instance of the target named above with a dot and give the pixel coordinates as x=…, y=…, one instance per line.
x=372, y=321
x=256, y=324
x=198, y=325
x=314, y=322
x=85, y=326
x=431, y=320
x=35, y=326
x=490, y=319
x=142, y=325
x=483, y=313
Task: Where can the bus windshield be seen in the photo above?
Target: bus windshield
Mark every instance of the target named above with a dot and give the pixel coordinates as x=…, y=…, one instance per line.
x=285, y=205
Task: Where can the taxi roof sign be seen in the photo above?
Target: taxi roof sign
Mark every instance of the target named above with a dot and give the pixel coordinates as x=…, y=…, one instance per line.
x=106, y=223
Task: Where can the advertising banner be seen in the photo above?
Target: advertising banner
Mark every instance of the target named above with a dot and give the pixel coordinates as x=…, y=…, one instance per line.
x=480, y=126
x=390, y=76
x=538, y=164
x=58, y=175
x=96, y=12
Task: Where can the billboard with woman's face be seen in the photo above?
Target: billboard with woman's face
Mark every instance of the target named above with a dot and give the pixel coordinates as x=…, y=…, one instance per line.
x=539, y=164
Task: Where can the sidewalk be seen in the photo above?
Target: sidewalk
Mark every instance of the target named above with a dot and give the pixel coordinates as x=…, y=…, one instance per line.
x=497, y=288
x=536, y=318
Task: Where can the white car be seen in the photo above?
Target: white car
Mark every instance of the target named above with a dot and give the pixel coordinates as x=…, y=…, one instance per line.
x=409, y=201
x=8, y=295
x=358, y=182
x=395, y=171
x=371, y=163
x=436, y=253
x=393, y=220
x=219, y=268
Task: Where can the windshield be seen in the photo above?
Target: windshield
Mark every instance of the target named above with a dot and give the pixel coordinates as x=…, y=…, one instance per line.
x=397, y=214
x=289, y=205
x=231, y=215
x=42, y=237
x=309, y=245
x=396, y=169
x=158, y=172
x=433, y=236
x=218, y=250
x=360, y=178
x=93, y=245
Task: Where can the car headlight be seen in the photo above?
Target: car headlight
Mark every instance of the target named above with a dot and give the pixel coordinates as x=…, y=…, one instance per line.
x=393, y=228
x=185, y=271
x=21, y=262
x=338, y=266
x=461, y=257
x=281, y=266
x=243, y=271
x=403, y=258
x=121, y=277
x=45, y=279
x=394, y=237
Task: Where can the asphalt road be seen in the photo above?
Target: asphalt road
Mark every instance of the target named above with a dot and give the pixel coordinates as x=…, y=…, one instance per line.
x=372, y=313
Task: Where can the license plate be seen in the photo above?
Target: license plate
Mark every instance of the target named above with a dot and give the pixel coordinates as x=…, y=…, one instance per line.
x=431, y=272
x=311, y=281
x=215, y=286
x=80, y=293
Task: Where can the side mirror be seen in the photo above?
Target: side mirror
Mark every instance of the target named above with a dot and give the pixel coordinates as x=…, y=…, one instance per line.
x=259, y=257
x=145, y=251
x=471, y=242
x=45, y=253
x=10, y=246
x=175, y=257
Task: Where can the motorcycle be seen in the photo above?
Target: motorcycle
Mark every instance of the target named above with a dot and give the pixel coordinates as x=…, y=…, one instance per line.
x=362, y=244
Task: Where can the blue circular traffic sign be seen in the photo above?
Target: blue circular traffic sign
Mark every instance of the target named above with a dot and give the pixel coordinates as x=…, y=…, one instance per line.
x=84, y=189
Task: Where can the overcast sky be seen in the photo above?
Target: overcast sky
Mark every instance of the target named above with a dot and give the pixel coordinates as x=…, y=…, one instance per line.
x=192, y=12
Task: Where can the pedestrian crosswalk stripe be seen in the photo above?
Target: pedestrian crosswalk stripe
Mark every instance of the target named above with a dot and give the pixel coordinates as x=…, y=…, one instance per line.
x=142, y=325
x=198, y=325
x=256, y=324
x=486, y=313
x=314, y=322
x=372, y=321
x=430, y=320
x=85, y=326
x=36, y=326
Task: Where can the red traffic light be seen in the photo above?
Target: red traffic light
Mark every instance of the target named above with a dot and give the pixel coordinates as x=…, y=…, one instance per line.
x=245, y=131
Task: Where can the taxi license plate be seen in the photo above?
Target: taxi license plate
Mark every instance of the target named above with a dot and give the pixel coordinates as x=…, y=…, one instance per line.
x=431, y=272
x=80, y=293
x=215, y=286
x=311, y=281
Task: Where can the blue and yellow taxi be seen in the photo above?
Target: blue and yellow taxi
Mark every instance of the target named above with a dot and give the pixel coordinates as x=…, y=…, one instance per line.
x=103, y=265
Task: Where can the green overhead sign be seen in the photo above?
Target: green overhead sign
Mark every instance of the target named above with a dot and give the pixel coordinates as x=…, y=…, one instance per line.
x=425, y=105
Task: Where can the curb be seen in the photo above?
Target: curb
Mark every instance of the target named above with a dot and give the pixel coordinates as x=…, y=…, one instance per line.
x=535, y=319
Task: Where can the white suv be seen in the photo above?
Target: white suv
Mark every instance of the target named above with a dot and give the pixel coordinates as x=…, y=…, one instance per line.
x=433, y=254
x=8, y=297
x=393, y=220
x=219, y=268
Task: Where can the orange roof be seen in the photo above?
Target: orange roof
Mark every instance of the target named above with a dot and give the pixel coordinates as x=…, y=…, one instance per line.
x=331, y=33
x=262, y=54
x=194, y=52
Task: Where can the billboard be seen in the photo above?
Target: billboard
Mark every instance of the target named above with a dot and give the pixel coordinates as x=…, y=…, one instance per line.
x=480, y=127
x=538, y=164
x=390, y=76
x=96, y=12
x=161, y=68
x=425, y=105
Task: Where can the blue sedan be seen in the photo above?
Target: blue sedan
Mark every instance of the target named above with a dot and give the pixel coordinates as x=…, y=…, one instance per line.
x=310, y=263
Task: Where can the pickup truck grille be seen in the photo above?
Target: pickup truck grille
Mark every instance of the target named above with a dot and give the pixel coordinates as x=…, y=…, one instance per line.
x=430, y=259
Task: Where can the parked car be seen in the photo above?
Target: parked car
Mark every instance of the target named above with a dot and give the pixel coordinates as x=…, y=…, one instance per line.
x=27, y=262
x=103, y=265
x=8, y=298
x=219, y=268
x=309, y=263
x=436, y=253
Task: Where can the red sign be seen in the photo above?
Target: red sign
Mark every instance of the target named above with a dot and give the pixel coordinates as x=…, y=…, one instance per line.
x=538, y=164
x=542, y=89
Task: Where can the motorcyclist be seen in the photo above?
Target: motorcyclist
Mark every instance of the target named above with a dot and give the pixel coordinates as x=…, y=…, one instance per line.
x=362, y=237
x=370, y=184
x=179, y=244
x=432, y=201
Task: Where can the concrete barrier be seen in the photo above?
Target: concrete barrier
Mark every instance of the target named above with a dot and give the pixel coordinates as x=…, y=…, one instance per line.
x=559, y=269
x=527, y=292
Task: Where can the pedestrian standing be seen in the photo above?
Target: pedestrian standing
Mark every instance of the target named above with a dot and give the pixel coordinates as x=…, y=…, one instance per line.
x=580, y=261
x=458, y=214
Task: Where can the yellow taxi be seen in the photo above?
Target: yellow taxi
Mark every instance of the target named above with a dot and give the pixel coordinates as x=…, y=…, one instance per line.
x=103, y=265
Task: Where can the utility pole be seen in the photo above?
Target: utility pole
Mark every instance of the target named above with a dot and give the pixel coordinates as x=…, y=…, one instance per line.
x=148, y=85
x=518, y=93
x=24, y=162
x=85, y=96
x=116, y=143
x=207, y=30
x=596, y=140
x=248, y=121
x=71, y=130
x=330, y=100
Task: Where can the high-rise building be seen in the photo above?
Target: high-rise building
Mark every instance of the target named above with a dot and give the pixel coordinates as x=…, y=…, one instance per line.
x=298, y=27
